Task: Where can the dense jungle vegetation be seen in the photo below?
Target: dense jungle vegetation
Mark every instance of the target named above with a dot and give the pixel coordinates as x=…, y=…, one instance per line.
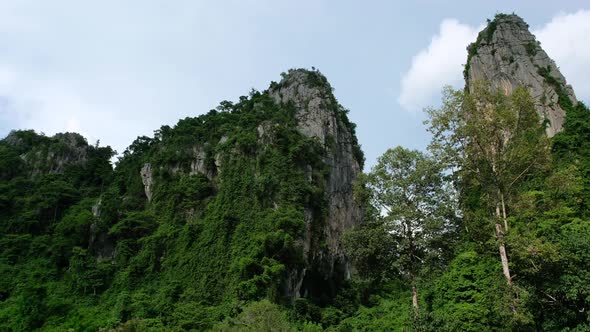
x=488, y=230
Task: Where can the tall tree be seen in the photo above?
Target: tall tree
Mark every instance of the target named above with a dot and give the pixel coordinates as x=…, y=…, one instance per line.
x=492, y=141
x=417, y=208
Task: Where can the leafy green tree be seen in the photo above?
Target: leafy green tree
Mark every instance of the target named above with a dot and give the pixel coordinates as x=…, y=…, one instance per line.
x=50, y=200
x=83, y=273
x=258, y=316
x=467, y=297
x=571, y=147
x=372, y=248
x=418, y=209
x=495, y=142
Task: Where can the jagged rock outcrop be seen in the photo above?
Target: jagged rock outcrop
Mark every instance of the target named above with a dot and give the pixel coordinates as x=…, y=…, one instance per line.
x=196, y=165
x=318, y=116
x=147, y=178
x=507, y=55
x=51, y=155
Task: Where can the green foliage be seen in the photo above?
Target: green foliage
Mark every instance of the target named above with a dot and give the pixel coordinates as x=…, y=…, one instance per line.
x=84, y=274
x=409, y=242
x=471, y=296
x=571, y=147
x=491, y=28
x=223, y=227
x=81, y=247
x=258, y=316
x=503, y=161
x=532, y=47
x=498, y=154
x=417, y=221
x=495, y=142
x=563, y=99
x=373, y=250
x=390, y=311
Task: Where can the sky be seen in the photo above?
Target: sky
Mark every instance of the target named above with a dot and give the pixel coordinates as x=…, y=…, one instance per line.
x=114, y=70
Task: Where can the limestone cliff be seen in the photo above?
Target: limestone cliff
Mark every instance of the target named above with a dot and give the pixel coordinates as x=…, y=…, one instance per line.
x=319, y=116
x=288, y=148
x=507, y=55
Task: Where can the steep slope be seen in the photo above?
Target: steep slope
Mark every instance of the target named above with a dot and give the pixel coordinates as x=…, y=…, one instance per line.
x=319, y=116
x=508, y=55
x=246, y=202
x=246, y=138
x=64, y=164
x=546, y=272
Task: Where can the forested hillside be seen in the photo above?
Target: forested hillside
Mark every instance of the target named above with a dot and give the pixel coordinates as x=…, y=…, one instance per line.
x=245, y=203
x=257, y=217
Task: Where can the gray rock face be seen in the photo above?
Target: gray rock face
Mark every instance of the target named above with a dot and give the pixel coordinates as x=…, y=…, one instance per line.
x=54, y=154
x=147, y=179
x=100, y=242
x=198, y=164
x=508, y=56
x=96, y=208
x=317, y=115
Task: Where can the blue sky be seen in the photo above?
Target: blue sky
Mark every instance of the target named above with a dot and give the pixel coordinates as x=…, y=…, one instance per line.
x=115, y=70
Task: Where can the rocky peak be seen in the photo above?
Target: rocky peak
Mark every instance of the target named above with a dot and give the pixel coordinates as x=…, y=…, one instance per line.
x=320, y=116
x=44, y=154
x=311, y=94
x=222, y=143
x=508, y=55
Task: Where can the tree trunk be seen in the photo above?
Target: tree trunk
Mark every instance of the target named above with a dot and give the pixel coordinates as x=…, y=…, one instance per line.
x=415, y=299
x=503, y=255
x=504, y=212
x=500, y=235
x=410, y=236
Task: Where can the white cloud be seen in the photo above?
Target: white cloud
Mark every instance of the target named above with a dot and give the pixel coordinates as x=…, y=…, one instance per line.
x=566, y=39
x=437, y=65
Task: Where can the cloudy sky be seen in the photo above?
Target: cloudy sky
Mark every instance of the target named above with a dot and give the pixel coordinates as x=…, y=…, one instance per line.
x=113, y=70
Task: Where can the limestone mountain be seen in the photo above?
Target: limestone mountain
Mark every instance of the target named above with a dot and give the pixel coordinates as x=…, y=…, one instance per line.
x=255, y=215
x=246, y=202
x=300, y=105
x=508, y=55
x=320, y=117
